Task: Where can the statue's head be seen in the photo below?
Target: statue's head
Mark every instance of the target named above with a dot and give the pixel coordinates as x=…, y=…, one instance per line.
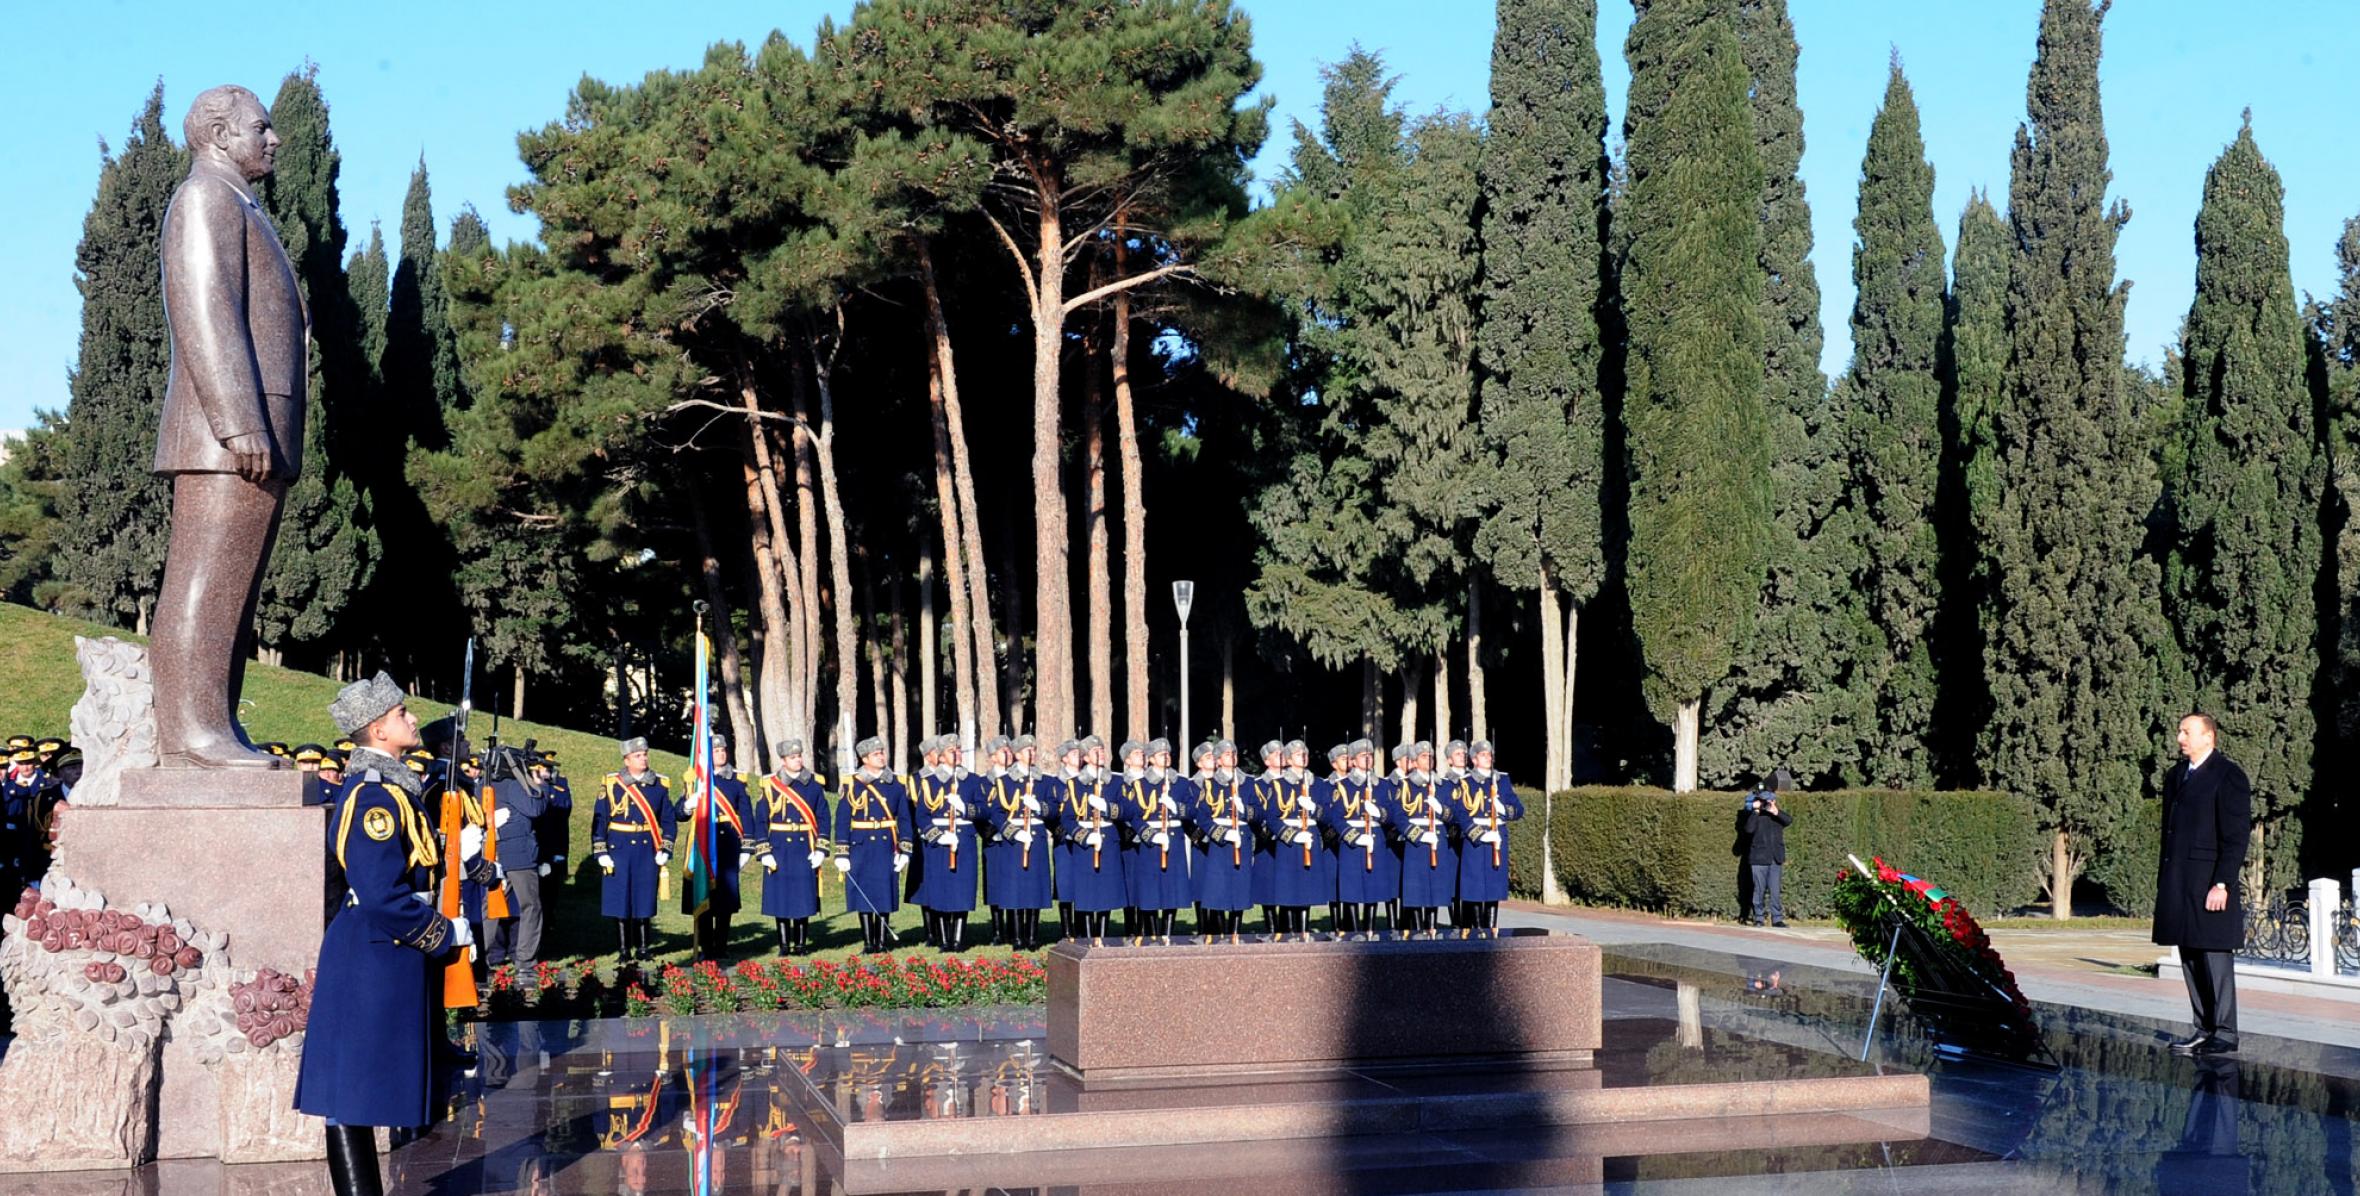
x=228, y=124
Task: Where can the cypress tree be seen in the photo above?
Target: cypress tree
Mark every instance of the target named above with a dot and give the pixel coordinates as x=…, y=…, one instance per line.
x=2075, y=624
x=367, y=277
x=327, y=548
x=1698, y=429
x=1973, y=360
x=1896, y=442
x=2335, y=349
x=1543, y=418
x=113, y=522
x=2245, y=534
x=421, y=361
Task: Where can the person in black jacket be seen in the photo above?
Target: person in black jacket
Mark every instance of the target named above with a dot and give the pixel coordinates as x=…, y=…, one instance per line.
x=1765, y=834
x=2207, y=815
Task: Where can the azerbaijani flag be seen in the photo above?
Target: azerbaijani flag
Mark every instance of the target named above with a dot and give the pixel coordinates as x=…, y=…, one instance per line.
x=698, y=876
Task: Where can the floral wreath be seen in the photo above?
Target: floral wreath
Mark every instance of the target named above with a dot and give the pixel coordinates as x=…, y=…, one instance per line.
x=1860, y=897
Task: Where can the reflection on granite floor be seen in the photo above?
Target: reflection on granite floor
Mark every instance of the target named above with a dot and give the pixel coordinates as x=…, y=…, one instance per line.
x=760, y=1102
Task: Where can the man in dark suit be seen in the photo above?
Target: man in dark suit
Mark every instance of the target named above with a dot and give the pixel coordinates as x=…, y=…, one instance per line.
x=2207, y=814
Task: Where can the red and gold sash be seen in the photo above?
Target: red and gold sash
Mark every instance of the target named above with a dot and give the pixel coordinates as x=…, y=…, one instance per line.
x=646, y=811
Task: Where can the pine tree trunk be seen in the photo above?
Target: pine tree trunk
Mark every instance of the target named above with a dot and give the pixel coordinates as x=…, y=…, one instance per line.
x=807, y=577
x=1409, y=703
x=1479, y=717
x=1371, y=720
x=880, y=707
x=1573, y=656
x=2060, y=876
x=1098, y=639
x=899, y=736
x=1553, y=745
x=1134, y=489
x=1012, y=661
x=1684, y=735
x=1052, y=534
x=744, y=740
x=823, y=371
x=516, y=693
x=964, y=681
x=929, y=642
x=1442, y=733
x=1228, y=687
x=970, y=542
x=773, y=563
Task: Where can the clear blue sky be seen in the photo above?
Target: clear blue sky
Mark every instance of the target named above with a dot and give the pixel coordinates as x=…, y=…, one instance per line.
x=457, y=82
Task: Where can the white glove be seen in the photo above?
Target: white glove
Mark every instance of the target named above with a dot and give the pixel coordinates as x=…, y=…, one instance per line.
x=770, y=863
x=499, y=873
x=1429, y=838
x=1488, y=837
x=1310, y=806
x=1093, y=839
x=462, y=934
x=543, y=870
x=843, y=863
x=500, y=817
x=744, y=858
x=1169, y=806
x=606, y=861
x=1161, y=840
x=901, y=860
x=663, y=858
x=470, y=842
x=1230, y=835
x=815, y=859
x=423, y=898
x=1098, y=803
x=1032, y=804
x=958, y=805
x=1364, y=841
x=1024, y=837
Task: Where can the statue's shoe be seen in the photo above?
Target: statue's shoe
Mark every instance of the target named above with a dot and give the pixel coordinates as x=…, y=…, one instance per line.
x=220, y=753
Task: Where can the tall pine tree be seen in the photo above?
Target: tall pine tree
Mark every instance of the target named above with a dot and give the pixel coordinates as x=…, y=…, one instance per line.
x=1973, y=366
x=2246, y=498
x=1791, y=696
x=1895, y=436
x=2076, y=629
x=1543, y=227
x=367, y=275
x=113, y=522
x=1692, y=297
x=327, y=546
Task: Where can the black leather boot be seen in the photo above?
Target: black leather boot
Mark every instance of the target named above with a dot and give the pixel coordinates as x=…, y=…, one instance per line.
x=352, y=1161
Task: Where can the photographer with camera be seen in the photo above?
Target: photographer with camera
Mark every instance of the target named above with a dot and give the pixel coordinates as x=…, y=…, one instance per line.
x=1765, y=835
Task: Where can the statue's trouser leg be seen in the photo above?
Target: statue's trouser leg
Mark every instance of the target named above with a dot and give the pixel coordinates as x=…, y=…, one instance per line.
x=223, y=527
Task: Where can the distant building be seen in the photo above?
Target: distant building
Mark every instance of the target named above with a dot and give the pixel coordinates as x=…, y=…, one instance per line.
x=8, y=439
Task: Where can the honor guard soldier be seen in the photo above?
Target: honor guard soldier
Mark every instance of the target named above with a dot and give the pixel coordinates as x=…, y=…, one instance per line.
x=1157, y=831
x=631, y=836
x=731, y=815
x=1016, y=880
x=1221, y=818
x=332, y=772
x=1429, y=854
x=951, y=853
x=307, y=762
x=1057, y=789
x=376, y=1031
x=20, y=792
x=792, y=812
x=873, y=842
x=1322, y=791
x=1092, y=872
x=1290, y=820
x=1368, y=870
x=1486, y=804
x=1183, y=791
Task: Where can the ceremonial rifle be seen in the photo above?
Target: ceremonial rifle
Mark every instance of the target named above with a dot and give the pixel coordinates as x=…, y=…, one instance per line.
x=459, y=974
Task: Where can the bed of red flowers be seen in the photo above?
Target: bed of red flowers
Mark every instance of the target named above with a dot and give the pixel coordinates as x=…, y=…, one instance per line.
x=1860, y=905
x=884, y=982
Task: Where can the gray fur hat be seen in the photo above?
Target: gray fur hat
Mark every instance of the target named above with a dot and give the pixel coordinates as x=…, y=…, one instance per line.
x=1425, y=747
x=1130, y=748
x=1338, y=752
x=721, y=741
x=364, y=702
x=1159, y=746
x=1092, y=741
x=1069, y=747
x=1481, y=746
x=1224, y=745
x=1297, y=745
x=1362, y=747
x=995, y=745
x=1272, y=748
x=631, y=745
x=870, y=746
x=1022, y=742
x=1204, y=751
x=1455, y=745
x=790, y=747
x=1403, y=751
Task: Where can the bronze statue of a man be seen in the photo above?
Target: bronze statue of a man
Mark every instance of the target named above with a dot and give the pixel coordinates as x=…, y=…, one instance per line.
x=232, y=435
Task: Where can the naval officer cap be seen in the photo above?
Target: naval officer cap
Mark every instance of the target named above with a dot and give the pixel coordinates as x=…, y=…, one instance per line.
x=364, y=702
x=633, y=744
x=870, y=746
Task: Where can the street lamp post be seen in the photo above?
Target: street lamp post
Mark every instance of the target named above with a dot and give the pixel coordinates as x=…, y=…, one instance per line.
x=1183, y=594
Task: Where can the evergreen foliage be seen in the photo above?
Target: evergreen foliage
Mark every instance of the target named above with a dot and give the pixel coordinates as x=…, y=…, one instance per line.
x=367, y=277
x=2075, y=625
x=1543, y=225
x=2246, y=498
x=1691, y=286
x=1972, y=362
x=113, y=522
x=1896, y=438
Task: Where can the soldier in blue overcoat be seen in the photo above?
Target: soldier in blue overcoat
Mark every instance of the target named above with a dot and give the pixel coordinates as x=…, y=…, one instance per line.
x=1016, y=803
x=1092, y=870
x=873, y=842
x=950, y=855
x=631, y=834
x=732, y=816
x=375, y=1029
x=1155, y=832
x=1429, y=852
x=1222, y=819
x=792, y=820
x=1324, y=855
x=1062, y=775
x=1289, y=814
x=1368, y=870
x=553, y=829
x=1483, y=806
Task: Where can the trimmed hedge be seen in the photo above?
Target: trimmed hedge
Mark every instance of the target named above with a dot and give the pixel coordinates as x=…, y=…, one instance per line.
x=1655, y=850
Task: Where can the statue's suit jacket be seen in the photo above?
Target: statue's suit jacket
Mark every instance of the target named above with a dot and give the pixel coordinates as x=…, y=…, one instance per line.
x=239, y=331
